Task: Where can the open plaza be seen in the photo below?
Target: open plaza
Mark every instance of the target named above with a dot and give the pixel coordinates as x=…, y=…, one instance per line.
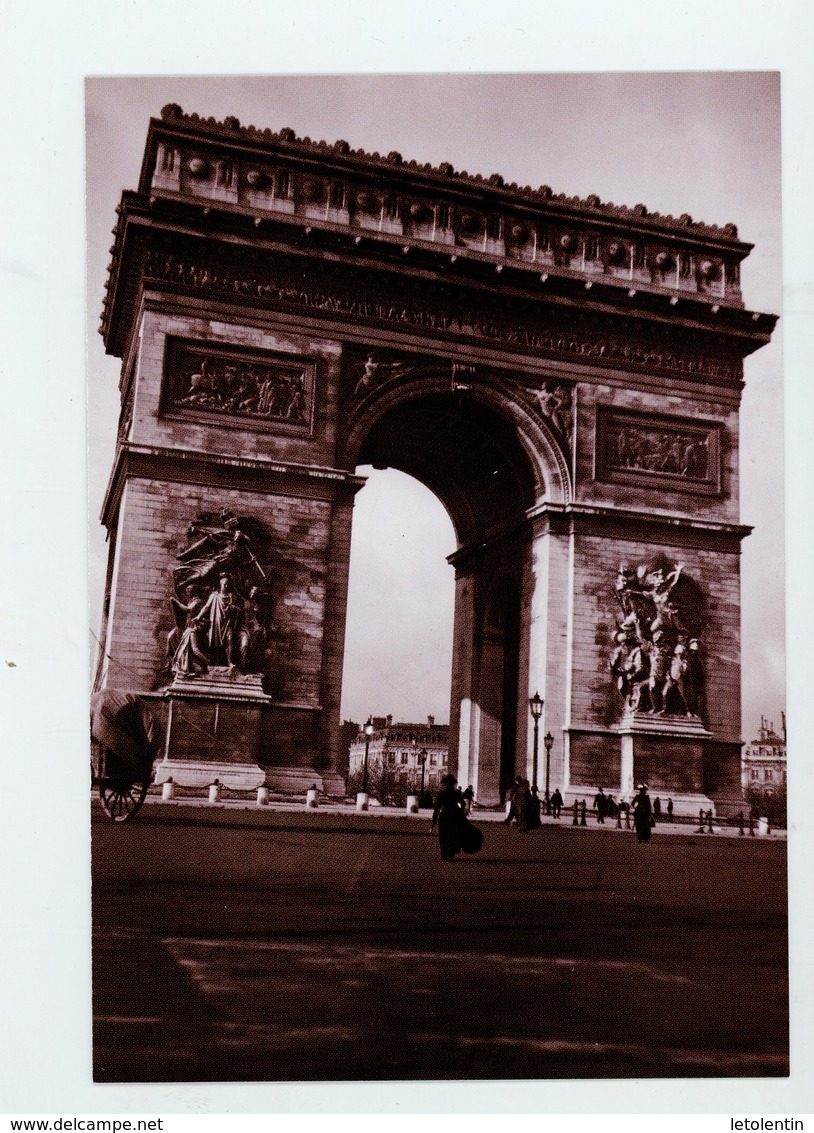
x=234, y=942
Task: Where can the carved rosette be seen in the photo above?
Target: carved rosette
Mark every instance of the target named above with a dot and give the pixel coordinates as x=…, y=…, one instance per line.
x=656, y=658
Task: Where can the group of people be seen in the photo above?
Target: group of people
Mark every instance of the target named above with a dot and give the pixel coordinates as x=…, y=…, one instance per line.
x=257, y=389
x=606, y=807
x=452, y=808
x=526, y=806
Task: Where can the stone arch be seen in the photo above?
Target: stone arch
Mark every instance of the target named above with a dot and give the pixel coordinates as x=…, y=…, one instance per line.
x=540, y=445
x=491, y=459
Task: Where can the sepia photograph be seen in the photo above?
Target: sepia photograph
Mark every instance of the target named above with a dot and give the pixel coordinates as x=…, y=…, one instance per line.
x=436, y=577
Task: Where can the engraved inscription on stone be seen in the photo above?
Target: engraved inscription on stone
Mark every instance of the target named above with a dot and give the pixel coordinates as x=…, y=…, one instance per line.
x=206, y=379
x=641, y=448
x=514, y=328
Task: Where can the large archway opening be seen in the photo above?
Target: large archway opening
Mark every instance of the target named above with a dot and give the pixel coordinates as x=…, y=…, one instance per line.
x=401, y=598
x=471, y=459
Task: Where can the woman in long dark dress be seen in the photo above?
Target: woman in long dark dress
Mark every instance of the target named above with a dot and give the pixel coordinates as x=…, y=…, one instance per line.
x=449, y=814
x=642, y=814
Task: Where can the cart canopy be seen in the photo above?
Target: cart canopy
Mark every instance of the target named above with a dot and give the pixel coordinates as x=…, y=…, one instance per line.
x=121, y=722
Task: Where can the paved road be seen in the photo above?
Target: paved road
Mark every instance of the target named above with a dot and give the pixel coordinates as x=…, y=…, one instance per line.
x=259, y=946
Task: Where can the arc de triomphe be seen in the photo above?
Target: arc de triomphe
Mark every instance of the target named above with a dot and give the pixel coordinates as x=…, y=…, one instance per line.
x=563, y=374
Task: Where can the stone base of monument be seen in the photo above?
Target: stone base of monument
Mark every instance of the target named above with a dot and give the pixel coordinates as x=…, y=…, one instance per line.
x=202, y=773
x=222, y=725
x=300, y=780
x=684, y=806
x=666, y=752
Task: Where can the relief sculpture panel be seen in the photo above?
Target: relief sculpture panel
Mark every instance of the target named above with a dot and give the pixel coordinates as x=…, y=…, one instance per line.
x=645, y=450
x=251, y=387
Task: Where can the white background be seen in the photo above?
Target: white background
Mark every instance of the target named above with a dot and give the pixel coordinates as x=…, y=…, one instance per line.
x=45, y=1028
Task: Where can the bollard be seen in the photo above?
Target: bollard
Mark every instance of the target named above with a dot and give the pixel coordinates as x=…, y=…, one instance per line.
x=168, y=790
x=412, y=804
x=214, y=792
x=362, y=799
x=262, y=796
x=583, y=820
x=741, y=831
x=311, y=798
x=576, y=814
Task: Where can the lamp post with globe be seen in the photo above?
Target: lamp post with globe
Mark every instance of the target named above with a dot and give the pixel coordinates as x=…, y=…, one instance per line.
x=362, y=796
x=536, y=703
x=548, y=740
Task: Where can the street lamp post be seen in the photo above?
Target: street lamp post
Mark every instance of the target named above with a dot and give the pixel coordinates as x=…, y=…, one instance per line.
x=368, y=734
x=548, y=740
x=422, y=759
x=536, y=705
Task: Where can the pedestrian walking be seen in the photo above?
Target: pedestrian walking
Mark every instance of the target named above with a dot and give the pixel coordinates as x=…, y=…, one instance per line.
x=556, y=803
x=656, y=811
x=449, y=816
x=522, y=805
x=512, y=800
x=669, y=810
x=533, y=820
x=469, y=798
x=642, y=814
x=600, y=806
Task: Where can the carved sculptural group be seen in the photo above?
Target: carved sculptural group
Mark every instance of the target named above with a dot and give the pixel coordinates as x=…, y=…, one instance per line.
x=221, y=599
x=656, y=656
x=639, y=449
x=251, y=388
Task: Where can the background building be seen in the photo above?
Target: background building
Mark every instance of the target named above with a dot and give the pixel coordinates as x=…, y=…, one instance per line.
x=763, y=766
x=396, y=753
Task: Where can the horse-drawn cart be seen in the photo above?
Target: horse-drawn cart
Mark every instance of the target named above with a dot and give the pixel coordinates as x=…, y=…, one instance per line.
x=124, y=743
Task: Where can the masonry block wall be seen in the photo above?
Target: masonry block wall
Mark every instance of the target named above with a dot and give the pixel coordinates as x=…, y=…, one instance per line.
x=713, y=562
x=161, y=322
x=660, y=401
x=153, y=520
x=190, y=467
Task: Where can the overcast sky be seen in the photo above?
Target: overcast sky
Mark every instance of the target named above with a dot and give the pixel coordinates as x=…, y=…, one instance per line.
x=703, y=143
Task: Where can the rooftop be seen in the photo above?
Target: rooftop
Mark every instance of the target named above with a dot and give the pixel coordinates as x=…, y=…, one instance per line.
x=286, y=137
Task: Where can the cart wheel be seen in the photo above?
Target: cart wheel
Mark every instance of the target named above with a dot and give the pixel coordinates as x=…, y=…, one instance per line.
x=121, y=800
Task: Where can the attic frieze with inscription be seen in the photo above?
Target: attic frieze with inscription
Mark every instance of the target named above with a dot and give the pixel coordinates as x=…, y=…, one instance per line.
x=516, y=324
